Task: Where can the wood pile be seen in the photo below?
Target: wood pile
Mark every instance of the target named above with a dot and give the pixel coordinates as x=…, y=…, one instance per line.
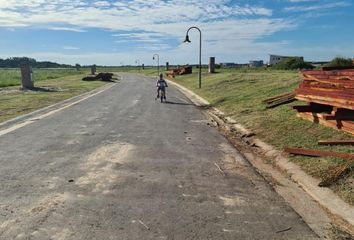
x=279, y=100
x=106, y=77
x=330, y=97
x=179, y=71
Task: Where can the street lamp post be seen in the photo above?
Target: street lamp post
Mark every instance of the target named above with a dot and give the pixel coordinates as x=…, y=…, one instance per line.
x=158, y=62
x=200, y=52
x=138, y=63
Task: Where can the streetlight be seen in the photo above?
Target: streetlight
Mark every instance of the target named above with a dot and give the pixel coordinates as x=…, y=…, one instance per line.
x=138, y=63
x=200, y=52
x=158, y=63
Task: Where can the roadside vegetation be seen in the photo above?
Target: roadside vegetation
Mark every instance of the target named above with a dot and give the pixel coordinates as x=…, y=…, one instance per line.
x=293, y=64
x=12, y=76
x=340, y=62
x=54, y=85
x=240, y=92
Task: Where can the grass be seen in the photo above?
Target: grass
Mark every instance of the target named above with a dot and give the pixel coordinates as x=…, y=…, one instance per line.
x=14, y=102
x=239, y=93
x=12, y=77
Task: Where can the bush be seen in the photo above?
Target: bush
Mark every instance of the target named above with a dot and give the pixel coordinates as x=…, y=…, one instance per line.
x=293, y=64
x=340, y=62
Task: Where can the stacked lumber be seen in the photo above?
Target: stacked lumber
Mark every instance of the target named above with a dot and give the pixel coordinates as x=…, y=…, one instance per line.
x=279, y=99
x=330, y=97
x=179, y=71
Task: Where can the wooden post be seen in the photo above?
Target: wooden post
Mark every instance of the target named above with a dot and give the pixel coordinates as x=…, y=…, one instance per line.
x=212, y=65
x=27, y=76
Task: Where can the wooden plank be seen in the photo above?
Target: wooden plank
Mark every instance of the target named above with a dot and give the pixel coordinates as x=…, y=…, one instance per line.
x=335, y=84
x=318, y=153
x=338, y=93
x=331, y=124
x=336, y=68
x=346, y=72
x=340, y=103
x=336, y=142
x=283, y=101
x=278, y=96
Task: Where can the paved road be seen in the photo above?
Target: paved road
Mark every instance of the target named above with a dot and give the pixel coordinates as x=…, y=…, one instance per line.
x=121, y=165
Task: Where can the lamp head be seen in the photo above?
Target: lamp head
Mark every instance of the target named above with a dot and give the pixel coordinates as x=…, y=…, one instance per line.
x=153, y=58
x=187, y=39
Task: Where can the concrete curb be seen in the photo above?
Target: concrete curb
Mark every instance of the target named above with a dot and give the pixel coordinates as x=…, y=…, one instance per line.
x=55, y=106
x=340, y=212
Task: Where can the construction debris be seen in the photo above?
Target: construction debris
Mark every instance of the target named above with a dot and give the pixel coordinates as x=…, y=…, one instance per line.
x=318, y=153
x=219, y=168
x=336, y=142
x=179, y=71
x=145, y=226
x=336, y=172
x=330, y=95
x=280, y=99
x=107, y=77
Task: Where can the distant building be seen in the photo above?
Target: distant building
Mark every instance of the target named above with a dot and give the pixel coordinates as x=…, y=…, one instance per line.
x=228, y=65
x=241, y=65
x=256, y=63
x=275, y=59
x=319, y=64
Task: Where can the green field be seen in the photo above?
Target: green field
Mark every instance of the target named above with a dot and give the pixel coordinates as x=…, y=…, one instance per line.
x=61, y=83
x=239, y=93
x=12, y=77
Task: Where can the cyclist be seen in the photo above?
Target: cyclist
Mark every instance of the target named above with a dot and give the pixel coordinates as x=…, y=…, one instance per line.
x=161, y=85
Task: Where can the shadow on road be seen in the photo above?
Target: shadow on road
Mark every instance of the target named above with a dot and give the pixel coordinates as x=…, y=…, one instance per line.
x=178, y=103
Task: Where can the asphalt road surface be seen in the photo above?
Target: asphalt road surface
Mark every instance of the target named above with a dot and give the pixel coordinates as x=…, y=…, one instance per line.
x=121, y=165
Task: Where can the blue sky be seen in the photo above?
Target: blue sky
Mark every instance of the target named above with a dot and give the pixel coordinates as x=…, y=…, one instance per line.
x=112, y=32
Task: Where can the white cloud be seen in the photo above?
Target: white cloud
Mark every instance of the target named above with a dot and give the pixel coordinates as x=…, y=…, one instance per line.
x=228, y=28
x=70, y=48
x=322, y=6
x=70, y=29
x=302, y=1
x=102, y=4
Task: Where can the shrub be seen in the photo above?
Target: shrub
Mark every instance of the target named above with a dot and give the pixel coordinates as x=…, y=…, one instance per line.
x=292, y=64
x=340, y=62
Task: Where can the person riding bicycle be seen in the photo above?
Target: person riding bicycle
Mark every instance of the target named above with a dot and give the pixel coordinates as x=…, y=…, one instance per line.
x=161, y=85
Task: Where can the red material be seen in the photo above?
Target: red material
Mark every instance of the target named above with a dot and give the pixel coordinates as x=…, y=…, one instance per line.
x=318, y=153
x=179, y=71
x=332, y=89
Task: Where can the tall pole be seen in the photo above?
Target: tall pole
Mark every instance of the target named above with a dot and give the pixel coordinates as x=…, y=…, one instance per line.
x=158, y=63
x=200, y=52
x=200, y=60
x=138, y=64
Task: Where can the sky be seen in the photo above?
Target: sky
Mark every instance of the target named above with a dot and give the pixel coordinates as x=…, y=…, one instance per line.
x=112, y=32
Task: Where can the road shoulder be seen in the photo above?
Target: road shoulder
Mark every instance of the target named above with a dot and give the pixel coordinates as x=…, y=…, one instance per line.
x=319, y=207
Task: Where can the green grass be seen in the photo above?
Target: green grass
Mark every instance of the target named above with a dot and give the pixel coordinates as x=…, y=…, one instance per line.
x=239, y=93
x=12, y=77
x=14, y=102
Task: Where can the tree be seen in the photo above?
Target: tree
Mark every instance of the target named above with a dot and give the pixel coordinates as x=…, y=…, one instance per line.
x=340, y=62
x=292, y=64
